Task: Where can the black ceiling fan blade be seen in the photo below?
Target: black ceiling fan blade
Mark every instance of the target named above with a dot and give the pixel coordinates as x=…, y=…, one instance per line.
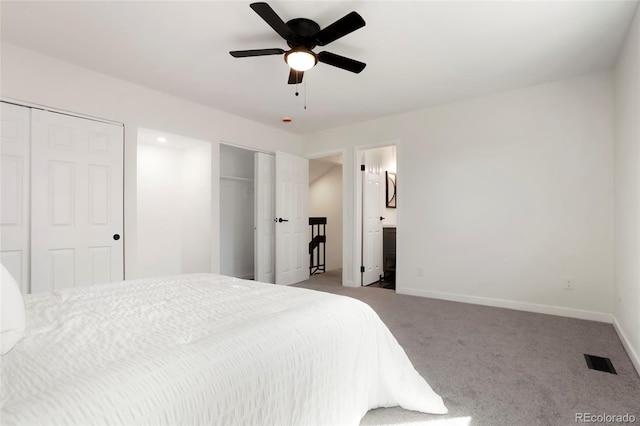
x=295, y=77
x=271, y=17
x=255, y=52
x=343, y=26
x=341, y=62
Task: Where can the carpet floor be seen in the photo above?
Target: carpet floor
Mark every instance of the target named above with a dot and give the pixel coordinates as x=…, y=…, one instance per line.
x=496, y=366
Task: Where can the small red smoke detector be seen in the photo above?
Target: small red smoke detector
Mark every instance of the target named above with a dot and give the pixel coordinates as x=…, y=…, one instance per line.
x=286, y=120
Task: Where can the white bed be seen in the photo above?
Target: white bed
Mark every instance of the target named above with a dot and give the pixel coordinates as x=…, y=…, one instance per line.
x=204, y=349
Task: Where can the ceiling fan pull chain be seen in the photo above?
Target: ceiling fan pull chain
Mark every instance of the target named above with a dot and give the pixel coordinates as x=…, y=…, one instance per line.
x=305, y=93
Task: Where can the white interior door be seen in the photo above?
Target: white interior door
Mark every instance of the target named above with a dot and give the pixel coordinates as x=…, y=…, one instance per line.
x=15, y=129
x=77, y=201
x=372, y=226
x=292, y=225
x=265, y=242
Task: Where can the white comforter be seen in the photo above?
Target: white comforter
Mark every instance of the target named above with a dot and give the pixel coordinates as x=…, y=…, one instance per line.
x=204, y=349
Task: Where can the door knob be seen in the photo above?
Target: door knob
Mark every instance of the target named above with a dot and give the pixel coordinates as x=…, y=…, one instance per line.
x=116, y=237
x=382, y=218
x=279, y=219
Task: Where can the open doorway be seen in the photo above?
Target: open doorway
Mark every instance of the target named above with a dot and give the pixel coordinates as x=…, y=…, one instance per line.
x=377, y=215
x=325, y=217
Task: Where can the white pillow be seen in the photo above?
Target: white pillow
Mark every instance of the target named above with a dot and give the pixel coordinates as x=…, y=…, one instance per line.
x=12, y=314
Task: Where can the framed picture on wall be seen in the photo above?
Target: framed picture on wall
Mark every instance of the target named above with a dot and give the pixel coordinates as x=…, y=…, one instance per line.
x=391, y=189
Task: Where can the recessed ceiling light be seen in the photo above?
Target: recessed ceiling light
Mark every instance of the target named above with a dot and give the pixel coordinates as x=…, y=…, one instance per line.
x=161, y=139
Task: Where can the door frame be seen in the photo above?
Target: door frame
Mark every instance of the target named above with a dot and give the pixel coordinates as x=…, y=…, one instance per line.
x=346, y=205
x=356, y=202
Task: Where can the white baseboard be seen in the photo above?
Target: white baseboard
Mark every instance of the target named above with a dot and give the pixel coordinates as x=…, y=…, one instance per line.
x=510, y=304
x=633, y=355
x=350, y=284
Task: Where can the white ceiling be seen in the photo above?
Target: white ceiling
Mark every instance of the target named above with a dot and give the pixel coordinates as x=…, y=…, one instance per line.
x=418, y=53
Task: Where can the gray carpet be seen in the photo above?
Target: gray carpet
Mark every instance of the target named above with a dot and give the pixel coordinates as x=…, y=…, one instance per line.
x=497, y=366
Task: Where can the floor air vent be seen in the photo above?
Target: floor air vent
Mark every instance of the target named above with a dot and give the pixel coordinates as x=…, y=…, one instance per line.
x=599, y=363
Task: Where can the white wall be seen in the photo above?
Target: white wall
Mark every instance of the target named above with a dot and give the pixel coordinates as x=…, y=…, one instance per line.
x=627, y=190
x=31, y=77
x=325, y=200
x=502, y=198
x=174, y=210
x=237, y=212
x=160, y=216
x=195, y=192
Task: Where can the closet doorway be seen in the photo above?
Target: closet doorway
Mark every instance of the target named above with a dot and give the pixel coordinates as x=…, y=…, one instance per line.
x=237, y=212
x=263, y=215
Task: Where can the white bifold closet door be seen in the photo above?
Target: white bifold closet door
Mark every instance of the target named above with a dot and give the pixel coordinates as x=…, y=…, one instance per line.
x=77, y=201
x=15, y=131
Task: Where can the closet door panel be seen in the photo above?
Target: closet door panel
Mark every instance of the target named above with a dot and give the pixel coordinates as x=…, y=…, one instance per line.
x=265, y=243
x=15, y=129
x=77, y=201
x=292, y=205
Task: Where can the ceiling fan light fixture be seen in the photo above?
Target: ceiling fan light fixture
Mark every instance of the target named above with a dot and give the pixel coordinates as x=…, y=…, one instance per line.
x=300, y=59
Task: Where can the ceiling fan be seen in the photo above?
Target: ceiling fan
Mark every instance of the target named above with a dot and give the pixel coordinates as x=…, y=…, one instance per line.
x=302, y=35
